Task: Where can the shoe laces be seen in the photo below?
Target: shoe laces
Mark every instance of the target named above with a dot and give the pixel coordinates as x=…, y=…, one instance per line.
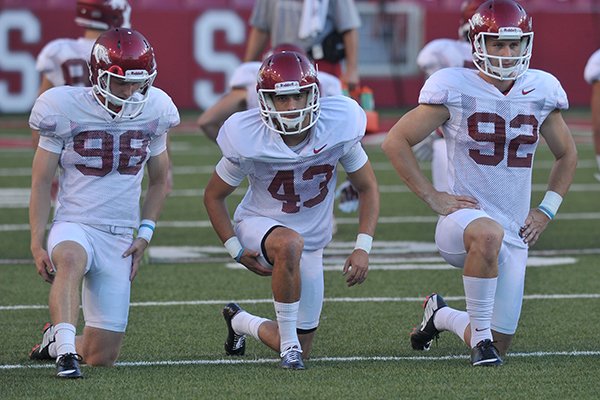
x=292, y=354
x=63, y=357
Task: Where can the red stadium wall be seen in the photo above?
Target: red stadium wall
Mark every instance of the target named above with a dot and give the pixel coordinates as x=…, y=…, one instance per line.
x=199, y=43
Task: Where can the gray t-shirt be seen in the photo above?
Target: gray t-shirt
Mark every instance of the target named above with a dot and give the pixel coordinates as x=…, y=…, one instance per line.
x=281, y=18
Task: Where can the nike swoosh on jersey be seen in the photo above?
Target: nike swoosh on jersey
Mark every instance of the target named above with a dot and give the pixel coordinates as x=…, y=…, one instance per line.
x=526, y=92
x=317, y=151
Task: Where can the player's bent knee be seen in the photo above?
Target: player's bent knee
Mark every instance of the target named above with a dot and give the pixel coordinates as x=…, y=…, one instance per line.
x=286, y=243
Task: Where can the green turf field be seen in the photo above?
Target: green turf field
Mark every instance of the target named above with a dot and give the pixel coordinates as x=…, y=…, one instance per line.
x=174, y=343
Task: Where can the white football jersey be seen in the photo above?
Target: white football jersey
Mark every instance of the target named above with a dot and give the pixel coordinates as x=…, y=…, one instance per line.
x=245, y=76
x=592, y=68
x=491, y=138
x=93, y=145
x=445, y=53
x=65, y=61
x=293, y=186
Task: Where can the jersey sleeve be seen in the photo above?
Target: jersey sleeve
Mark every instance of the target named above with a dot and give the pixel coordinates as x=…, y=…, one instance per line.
x=592, y=69
x=44, y=59
x=438, y=54
x=51, y=144
x=558, y=98
x=230, y=172
x=433, y=91
x=354, y=159
x=46, y=118
x=244, y=75
x=169, y=115
x=330, y=85
x=158, y=145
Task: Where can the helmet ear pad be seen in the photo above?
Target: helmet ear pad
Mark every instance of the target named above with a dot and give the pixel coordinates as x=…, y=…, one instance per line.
x=288, y=73
x=501, y=20
x=125, y=54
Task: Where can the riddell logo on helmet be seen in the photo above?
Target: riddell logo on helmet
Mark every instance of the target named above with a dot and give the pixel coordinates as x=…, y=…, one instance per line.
x=510, y=33
x=136, y=74
x=287, y=87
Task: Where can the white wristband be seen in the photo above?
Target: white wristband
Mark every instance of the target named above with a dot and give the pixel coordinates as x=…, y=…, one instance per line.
x=550, y=204
x=146, y=229
x=363, y=242
x=235, y=248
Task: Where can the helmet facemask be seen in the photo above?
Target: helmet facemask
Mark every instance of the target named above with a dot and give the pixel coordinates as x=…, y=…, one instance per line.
x=132, y=106
x=501, y=67
x=291, y=122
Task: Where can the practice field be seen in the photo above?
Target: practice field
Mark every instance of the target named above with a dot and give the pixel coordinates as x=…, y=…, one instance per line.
x=174, y=342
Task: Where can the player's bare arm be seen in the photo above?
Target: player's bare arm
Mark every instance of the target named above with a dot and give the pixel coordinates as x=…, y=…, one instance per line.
x=356, y=266
x=157, y=167
x=560, y=141
x=44, y=167
x=211, y=119
x=215, y=193
x=411, y=129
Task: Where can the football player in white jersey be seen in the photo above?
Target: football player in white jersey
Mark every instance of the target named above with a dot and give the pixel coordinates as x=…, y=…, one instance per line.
x=592, y=76
x=102, y=137
x=492, y=119
x=64, y=61
x=438, y=54
x=289, y=149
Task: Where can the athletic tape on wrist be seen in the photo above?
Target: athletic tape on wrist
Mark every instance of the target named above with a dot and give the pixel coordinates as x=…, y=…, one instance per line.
x=550, y=204
x=146, y=229
x=364, y=242
x=235, y=248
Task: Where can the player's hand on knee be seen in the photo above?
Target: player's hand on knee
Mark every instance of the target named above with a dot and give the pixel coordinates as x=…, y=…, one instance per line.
x=445, y=203
x=249, y=260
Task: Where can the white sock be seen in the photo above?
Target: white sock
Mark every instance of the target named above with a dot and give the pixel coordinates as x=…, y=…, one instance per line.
x=287, y=317
x=52, y=350
x=479, y=293
x=245, y=323
x=450, y=319
x=65, y=338
x=598, y=161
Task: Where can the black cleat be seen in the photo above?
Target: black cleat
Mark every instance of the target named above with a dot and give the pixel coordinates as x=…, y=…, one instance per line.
x=235, y=345
x=67, y=366
x=485, y=354
x=292, y=359
x=421, y=337
x=40, y=350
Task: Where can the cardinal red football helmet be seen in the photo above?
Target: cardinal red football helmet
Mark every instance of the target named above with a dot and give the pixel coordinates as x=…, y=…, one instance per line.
x=467, y=9
x=283, y=74
x=103, y=14
x=126, y=55
x=501, y=20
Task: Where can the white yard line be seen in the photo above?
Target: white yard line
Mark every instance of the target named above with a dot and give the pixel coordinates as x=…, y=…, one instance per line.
x=232, y=361
x=327, y=300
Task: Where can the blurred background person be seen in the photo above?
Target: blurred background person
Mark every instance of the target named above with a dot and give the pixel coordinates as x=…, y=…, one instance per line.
x=438, y=54
x=592, y=76
x=326, y=29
